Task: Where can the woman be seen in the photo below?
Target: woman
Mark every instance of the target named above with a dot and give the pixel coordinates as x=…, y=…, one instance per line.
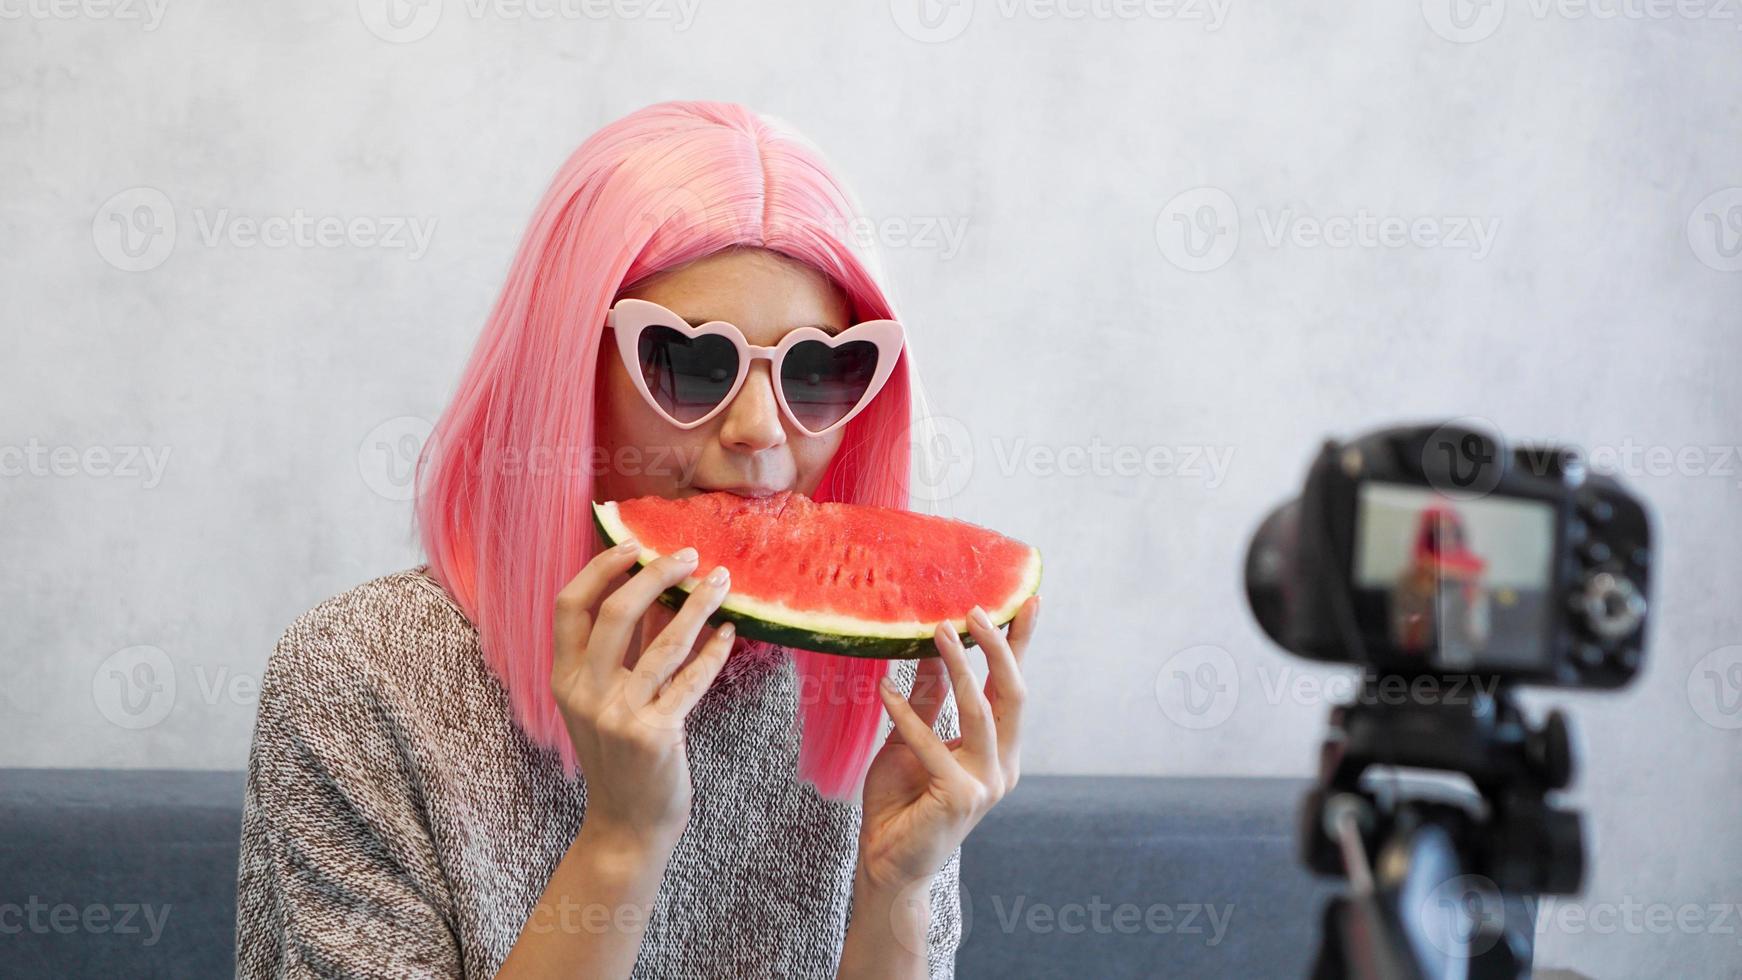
x=1440, y=602
x=513, y=762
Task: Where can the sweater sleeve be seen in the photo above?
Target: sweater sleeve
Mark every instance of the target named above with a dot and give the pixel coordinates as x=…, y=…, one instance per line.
x=338, y=873
x=944, y=934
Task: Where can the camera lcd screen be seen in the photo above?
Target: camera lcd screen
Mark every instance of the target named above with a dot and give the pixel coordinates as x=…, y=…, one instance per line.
x=1460, y=584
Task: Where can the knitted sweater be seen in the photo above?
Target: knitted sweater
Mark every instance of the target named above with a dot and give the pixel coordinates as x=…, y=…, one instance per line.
x=398, y=823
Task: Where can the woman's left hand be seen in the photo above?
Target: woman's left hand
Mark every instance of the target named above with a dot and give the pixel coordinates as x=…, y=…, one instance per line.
x=923, y=794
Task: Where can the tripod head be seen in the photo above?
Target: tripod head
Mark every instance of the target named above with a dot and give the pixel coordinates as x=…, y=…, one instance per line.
x=1439, y=880
x=1467, y=726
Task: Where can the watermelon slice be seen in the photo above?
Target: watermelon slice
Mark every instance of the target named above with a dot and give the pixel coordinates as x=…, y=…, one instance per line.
x=835, y=578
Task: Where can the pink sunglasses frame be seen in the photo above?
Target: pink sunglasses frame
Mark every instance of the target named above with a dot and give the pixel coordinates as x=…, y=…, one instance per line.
x=628, y=318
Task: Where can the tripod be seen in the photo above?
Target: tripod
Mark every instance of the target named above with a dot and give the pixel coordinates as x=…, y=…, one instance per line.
x=1440, y=889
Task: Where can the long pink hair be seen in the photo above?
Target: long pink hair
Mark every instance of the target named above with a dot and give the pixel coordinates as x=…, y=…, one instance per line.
x=667, y=184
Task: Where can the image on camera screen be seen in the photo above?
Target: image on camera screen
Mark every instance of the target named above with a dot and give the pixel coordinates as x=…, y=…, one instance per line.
x=1460, y=584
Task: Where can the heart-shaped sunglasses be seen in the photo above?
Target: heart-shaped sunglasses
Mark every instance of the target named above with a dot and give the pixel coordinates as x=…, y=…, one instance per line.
x=688, y=373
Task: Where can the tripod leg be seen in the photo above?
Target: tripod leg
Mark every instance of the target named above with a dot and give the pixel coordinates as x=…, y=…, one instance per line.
x=1329, y=965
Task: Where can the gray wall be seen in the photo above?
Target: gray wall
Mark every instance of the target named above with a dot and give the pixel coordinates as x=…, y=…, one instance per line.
x=1123, y=244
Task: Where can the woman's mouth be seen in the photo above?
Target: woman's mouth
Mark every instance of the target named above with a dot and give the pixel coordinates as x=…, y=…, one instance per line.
x=742, y=490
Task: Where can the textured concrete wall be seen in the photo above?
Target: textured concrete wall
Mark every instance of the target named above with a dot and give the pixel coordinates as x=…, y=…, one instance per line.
x=1150, y=255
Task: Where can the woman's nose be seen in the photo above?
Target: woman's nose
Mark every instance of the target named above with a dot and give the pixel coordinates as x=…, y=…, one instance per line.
x=752, y=421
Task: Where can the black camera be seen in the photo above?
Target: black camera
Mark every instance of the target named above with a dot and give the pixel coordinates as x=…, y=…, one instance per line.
x=1434, y=550
x=1432, y=553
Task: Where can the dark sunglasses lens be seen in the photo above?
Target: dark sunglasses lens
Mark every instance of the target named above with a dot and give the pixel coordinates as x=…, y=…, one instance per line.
x=822, y=383
x=687, y=376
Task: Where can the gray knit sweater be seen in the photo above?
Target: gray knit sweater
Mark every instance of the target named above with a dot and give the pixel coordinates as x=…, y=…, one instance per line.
x=398, y=823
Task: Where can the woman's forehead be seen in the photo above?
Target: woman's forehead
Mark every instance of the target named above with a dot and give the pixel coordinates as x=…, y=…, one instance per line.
x=763, y=294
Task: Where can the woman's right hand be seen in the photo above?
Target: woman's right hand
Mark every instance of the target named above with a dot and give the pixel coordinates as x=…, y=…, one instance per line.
x=626, y=722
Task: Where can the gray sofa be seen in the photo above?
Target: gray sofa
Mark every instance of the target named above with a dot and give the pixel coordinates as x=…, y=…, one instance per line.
x=108, y=873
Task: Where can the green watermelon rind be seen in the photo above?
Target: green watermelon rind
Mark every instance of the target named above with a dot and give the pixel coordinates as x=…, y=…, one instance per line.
x=796, y=629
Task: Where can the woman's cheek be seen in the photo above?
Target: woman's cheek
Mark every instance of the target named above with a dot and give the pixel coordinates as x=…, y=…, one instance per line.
x=813, y=456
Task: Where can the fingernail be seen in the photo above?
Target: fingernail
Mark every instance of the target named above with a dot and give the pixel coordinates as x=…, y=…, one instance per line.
x=718, y=576
x=980, y=616
x=888, y=685
x=626, y=547
x=685, y=555
x=728, y=631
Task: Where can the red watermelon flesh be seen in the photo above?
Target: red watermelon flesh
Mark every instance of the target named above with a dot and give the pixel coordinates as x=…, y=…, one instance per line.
x=833, y=577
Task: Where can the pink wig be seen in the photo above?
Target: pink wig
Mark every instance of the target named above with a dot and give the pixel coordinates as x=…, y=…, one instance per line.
x=665, y=185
